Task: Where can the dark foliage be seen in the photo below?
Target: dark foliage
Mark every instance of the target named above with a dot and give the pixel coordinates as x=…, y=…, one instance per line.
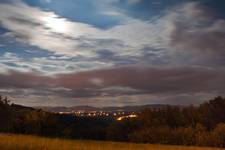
x=203, y=125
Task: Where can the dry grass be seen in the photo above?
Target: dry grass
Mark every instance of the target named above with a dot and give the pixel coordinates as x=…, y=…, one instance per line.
x=22, y=142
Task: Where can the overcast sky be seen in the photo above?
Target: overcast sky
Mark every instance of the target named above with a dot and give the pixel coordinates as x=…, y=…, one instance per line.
x=112, y=52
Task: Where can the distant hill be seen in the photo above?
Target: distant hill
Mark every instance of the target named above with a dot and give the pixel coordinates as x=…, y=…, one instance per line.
x=21, y=107
x=108, y=109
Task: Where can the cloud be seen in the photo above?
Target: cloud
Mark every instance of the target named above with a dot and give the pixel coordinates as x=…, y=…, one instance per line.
x=96, y=81
x=48, y=1
x=51, y=32
x=187, y=27
x=118, y=82
x=133, y=1
x=182, y=31
x=170, y=56
x=39, y=28
x=2, y=45
x=84, y=44
x=48, y=65
x=196, y=30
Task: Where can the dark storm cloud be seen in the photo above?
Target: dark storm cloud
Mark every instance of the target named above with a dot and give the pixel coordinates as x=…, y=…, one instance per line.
x=119, y=81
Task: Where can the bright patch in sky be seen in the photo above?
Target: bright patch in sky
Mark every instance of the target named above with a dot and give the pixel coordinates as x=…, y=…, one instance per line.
x=55, y=24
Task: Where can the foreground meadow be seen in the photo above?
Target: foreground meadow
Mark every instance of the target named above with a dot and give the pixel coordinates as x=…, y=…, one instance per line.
x=22, y=142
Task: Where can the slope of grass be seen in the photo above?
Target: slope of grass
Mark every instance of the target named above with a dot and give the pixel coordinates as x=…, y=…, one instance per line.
x=22, y=142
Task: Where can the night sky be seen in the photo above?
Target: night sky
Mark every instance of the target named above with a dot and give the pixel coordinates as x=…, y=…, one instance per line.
x=112, y=52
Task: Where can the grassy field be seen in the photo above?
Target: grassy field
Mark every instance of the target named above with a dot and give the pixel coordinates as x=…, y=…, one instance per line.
x=21, y=142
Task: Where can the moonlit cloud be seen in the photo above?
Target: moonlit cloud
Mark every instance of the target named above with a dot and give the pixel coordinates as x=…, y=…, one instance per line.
x=48, y=65
x=62, y=36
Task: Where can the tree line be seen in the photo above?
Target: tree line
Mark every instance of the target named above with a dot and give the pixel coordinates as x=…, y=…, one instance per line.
x=202, y=125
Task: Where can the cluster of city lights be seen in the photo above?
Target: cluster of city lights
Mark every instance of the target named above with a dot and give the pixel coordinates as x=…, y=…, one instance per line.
x=98, y=113
x=119, y=115
x=124, y=117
